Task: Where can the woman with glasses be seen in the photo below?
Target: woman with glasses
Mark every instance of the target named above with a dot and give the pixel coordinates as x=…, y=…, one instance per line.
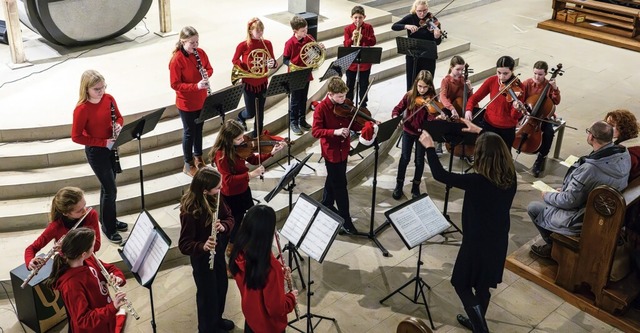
x=96, y=125
x=417, y=26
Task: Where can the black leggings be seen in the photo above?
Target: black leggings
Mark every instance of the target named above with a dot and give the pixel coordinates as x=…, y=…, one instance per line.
x=469, y=299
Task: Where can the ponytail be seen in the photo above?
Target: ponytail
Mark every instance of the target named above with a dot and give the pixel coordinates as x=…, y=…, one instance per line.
x=60, y=266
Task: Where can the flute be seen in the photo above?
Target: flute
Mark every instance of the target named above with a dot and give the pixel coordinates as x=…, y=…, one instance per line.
x=214, y=234
x=51, y=252
x=202, y=70
x=286, y=276
x=116, y=288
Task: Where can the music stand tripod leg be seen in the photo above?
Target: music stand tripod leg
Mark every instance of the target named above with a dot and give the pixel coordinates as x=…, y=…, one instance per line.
x=446, y=197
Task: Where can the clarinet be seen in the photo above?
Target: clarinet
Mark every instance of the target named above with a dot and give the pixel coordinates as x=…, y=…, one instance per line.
x=286, y=276
x=202, y=71
x=116, y=288
x=214, y=234
x=114, y=135
x=51, y=252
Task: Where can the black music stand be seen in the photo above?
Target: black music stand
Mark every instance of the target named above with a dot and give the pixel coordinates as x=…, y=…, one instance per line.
x=145, y=255
x=288, y=182
x=385, y=130
x=339, y=66
x=450, y=132
x=220, y=102
x=135, y=130
x=416, y=221
x=416, y=49
x=366, y=55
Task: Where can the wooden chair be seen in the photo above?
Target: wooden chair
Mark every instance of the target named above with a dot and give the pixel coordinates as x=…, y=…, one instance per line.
x=413, y=325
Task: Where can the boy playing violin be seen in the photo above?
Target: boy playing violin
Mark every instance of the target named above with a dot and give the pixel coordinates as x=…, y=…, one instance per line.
x=534, y=86
x=359, y=33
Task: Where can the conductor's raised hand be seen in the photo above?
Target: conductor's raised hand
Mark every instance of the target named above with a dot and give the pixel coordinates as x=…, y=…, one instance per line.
x=426, y=140
x=209, y=245
x=471, y=127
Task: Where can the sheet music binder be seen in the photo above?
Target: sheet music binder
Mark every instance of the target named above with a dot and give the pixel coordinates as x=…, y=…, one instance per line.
x=417, y=220
x=312, y=227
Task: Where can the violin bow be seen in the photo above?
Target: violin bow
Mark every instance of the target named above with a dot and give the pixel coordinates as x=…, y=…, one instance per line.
x=502, y=91
x=355, y=114
x=258, y=136
x=436, y=14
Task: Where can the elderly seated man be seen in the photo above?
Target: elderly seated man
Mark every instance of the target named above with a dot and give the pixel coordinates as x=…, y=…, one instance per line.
x=562, y=212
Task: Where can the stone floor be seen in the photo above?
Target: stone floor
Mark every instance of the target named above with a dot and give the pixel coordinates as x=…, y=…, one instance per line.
x=355, y=276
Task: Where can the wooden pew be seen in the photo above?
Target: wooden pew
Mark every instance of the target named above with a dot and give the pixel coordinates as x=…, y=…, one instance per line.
x=584, y=262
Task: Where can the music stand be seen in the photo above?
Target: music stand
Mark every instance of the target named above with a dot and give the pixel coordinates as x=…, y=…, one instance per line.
x=366, y=55
x=289, y=180
x=385, y=130
x=339, y=66
x=417, y=48
x=135, y=130
x=145, y=253
x=416, y=221
x=221, y=101
x=313, y=228
x=450, y=132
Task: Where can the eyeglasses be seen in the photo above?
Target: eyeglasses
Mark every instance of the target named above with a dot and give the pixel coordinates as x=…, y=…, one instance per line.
x=588, y=130
x=421, y=10
x=99, y=89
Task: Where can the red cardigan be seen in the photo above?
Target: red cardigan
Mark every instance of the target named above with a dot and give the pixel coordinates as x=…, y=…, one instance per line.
x=292, y=48
x=335, y=149
x=184, y=77
x=56, y=229
x=500, y=113
x=531, y=88
x=450, y=89
x=368, y=39
x=92, y=122
x=265, y=310
x=241, y=58
x=193, y=232
x=235, y=180
x=86, y=297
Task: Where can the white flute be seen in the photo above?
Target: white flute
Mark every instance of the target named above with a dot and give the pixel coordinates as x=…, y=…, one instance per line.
x=214, y=234
x=116, y=288
x=286, y=276
x=51, y=252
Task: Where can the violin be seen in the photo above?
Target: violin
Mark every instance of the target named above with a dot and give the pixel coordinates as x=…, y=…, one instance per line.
x=349, y=110
x=431, y=23
x=433, y=106
x=459, y=104
x=512, y=91
x=250, y=145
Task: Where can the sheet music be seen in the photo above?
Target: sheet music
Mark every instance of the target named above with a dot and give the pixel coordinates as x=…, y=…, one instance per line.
x=543, y=187
x=138, y=242
x=151, y=263
x=419, y=221
x=298, y=220
x=570, y=161
x=320, y=234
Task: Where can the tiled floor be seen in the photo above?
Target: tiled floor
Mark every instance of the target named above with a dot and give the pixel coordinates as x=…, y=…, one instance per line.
x=355, y=276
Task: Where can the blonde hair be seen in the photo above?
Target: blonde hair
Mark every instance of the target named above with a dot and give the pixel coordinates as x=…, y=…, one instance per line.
x=88, y=79
x=63, y=202
x=186, y=33
x=418, y=3
x=254, y=23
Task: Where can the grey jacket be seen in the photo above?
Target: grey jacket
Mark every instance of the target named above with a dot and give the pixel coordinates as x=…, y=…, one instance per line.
x=610, y=165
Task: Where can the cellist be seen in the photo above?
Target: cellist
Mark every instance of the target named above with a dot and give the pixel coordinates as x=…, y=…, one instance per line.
x=534, y=86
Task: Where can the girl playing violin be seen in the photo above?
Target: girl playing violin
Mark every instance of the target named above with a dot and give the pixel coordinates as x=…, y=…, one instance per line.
x=413, y=118
x=452, y=86
x=501, y=116
x=235, y=173
x=254, y=88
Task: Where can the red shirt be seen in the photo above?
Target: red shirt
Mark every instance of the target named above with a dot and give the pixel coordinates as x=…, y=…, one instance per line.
x=241, y=58
x=414, y=125
x=451, y=89
x=265, y=310
x=194, y=233
x=335, y=149
x=184, y=77
x=235, y=179
x=86, y=297
x=56, y=230
x=530, y=88
x=499, y=113
x=292, y=49
x=368, y=39
x=92, y=122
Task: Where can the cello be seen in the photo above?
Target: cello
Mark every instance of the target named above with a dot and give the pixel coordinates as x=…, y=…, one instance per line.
x=529, y=134
x=459, y=104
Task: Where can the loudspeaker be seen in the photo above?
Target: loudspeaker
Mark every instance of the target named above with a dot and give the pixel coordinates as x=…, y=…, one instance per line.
x=312, y=23
x=3, y=33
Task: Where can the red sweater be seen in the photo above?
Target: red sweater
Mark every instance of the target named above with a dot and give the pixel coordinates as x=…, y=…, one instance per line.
x=235, y=179
x=450, y=89
x=184, y=77
x=193, y=232
x=414, y=125
x=56, y=229
x=292, y=49
x=335, y=149
x=265, y=310
x=241, y=58
x=92, y=122
x=368, y=39
x=499, y=113
x=86, y=297
x=531, y=88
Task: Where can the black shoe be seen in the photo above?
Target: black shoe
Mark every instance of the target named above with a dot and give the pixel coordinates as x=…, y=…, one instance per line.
x=477, y=320
x=243, y=123
x=302, y=123
x=538, y=166
x=543, y=251
x=397, y=192
x=415, y=190
x=464, y=321
x=114, y=238
x=295, y=129
x=121, y=226
x=226, y=324
x=348, y=230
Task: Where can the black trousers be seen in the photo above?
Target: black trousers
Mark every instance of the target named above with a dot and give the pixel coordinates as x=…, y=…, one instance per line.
x=102, y=165
x=298, y=104
x=408, y=143
x=335, y=189
x=251, y=109
x=239, y=204
x=508, y=135
x=423, y=63
x=469, y=298
x=363, y=84
x=547, y=139
x=211, y=287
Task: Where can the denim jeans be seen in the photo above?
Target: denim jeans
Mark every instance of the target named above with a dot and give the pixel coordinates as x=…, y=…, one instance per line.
x=191, y=135
x=408, y=142
x=100, y=161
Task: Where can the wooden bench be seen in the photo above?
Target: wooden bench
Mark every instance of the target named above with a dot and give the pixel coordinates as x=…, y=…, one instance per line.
x=584, y=262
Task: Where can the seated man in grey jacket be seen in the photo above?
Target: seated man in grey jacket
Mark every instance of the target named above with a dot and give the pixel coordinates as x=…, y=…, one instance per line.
x=562, y=211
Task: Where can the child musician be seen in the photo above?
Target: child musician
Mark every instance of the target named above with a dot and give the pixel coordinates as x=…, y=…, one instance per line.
x=359, y=33
x=78, y=277
x=259, y=275
x=189, y=77
x=96, y=124
x=254, y=88
x=501, y=117
x=416, y=113
x=534, y=86
x=235, y=173
x=197, y=209
x=452, y=86
x=292, y=56
x=67, y=208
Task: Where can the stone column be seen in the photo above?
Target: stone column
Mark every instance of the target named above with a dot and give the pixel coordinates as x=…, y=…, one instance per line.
x=300, y=6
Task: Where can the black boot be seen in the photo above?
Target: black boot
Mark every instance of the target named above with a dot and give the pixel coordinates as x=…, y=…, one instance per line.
x=478, y=323
x=538, y=165
x=397, y=192
x=415, y=189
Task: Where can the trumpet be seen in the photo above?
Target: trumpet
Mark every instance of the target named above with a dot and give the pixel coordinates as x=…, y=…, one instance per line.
x=312, y=56
x=214, y=234
x=116, y=288
x=286, y=276
x=202, y=70
x=358, y=39
x=51, y=252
